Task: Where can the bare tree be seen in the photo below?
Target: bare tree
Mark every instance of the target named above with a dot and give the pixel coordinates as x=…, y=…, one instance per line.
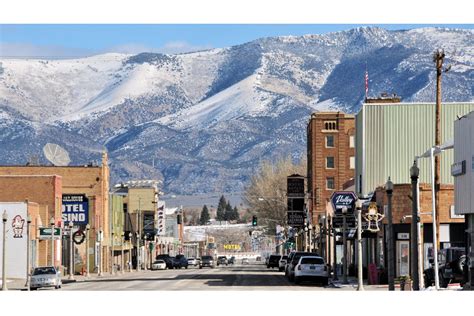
x=266, y=194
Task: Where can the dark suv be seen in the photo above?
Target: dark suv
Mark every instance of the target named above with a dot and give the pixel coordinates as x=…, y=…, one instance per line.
x=222, y=260
x=166, y=258
x=181, y=262
x=273, y=261
x=207, y=261
x=451, y=263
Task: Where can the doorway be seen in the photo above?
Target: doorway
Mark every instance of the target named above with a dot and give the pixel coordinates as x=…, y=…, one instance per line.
x=403, y=257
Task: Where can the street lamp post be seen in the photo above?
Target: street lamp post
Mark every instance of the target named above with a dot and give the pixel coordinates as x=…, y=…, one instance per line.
x=344, y=241
x=360, y=283
x=138, y=251
x=129, y=252
x=389, y=236
x=28, y=222
x=71, y=252
x=51, y=222
x=112, y=255
x=335, y=278
x=414, y=173
x=100, y=253
x=4, y=253
x=122, y=264
x=88, y=227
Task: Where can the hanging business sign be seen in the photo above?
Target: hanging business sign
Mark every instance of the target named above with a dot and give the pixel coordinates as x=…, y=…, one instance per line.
x=296, y=219
x=458, y=168
x=341, y=199
x=295, y=186
x=75, y=209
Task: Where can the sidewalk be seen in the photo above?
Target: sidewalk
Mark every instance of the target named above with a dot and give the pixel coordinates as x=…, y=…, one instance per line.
x=352, y=283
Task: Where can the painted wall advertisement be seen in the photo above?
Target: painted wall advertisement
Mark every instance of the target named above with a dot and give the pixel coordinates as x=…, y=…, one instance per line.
x=75, y=209
x=15, y=239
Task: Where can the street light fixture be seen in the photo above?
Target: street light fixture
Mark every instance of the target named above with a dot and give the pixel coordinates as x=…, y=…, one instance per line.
x=414, y=173
x=88, y=227
x=122, y=264
x=4, y=248
x=344, y=241
x=137, y=235
x=71, y=252
x=389, y=236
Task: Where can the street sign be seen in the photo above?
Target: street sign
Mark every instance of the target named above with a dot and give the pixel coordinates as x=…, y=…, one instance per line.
x=296, y=218
x=340, y=199
x=45, y=233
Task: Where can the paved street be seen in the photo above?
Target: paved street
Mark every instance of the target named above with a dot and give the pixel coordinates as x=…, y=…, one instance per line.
x=237, y=277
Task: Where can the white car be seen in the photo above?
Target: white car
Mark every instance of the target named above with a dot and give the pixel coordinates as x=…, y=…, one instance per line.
x=158, y=265
x=193, y=262
x=45, y=277
x=311, y=268
x=282, y=263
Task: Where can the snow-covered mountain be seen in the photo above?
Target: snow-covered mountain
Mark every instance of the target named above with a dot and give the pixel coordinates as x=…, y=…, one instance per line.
x=203, y=121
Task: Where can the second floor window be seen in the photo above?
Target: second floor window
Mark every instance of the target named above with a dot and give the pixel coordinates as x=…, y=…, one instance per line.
x=330, y=184
x=330, y=162
x=330, y=141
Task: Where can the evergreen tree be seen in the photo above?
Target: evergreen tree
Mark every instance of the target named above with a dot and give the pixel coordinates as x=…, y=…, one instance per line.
x=220, y=215
x=236, y=214
x=229, y=212
x=204, y=218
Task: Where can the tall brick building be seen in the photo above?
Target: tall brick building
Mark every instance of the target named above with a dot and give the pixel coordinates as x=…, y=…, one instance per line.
x=331, y=157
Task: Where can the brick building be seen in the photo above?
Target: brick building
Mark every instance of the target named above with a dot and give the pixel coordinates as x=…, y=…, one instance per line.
x=90, y=180
x=331, y=157
x=451, y=225
x=44, y=192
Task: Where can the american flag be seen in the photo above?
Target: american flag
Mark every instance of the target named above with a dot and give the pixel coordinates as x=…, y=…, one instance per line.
x=366, y=83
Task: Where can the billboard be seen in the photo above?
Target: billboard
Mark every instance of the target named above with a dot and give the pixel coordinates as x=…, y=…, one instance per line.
x=15, y=239
x=75, y=209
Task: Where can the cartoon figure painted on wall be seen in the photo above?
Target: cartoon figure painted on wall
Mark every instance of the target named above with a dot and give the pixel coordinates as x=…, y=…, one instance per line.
x=17, y=224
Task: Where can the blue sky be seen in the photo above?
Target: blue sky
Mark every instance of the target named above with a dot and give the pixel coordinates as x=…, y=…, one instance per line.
x=66, y=40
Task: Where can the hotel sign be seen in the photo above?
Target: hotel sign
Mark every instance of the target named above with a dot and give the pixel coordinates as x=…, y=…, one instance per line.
x=75, y=209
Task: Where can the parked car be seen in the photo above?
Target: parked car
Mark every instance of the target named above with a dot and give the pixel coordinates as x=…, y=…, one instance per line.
x=231, y=260
x=221, y=260
x=273, y=261
x=311, y=268
x=166, y=258
x=45, y=277
x=181, y=262
x=282, y=263
x=207, y=261
x=158, y=265
x=193, y=262
x=245, y=261
x=295, y=257
x=451, y=263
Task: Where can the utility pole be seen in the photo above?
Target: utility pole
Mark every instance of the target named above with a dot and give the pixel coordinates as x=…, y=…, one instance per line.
x=389, y=236
x=414, y=173
x=438, y=59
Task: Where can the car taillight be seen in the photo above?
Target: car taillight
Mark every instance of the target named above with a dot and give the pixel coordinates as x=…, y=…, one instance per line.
x=299, y=267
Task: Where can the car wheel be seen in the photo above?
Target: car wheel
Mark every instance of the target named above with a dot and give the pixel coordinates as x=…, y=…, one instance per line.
x=33, y=288
x=280, y=269
x=325, y=282
x=200, y=267
x=56, y=287
x=186, y=267
x=297, y=280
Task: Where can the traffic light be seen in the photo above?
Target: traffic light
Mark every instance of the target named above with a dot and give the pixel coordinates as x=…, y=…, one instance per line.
x=254, y=220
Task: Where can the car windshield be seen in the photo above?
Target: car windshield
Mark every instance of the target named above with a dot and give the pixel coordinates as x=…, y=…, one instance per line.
x=47, y=270
x=284, y=257
x=159, y=261
x=206, y=258
x=309, y=260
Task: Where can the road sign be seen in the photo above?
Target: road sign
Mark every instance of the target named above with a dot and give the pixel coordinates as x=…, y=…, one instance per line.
x=340, y=199
x=296, y=219
x=45, y=233
x=295, y=186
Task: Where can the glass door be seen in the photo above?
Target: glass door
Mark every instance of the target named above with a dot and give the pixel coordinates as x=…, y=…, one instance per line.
x=403, y=257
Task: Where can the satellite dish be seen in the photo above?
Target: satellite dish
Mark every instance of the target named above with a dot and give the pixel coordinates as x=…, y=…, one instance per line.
x=57, y=155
